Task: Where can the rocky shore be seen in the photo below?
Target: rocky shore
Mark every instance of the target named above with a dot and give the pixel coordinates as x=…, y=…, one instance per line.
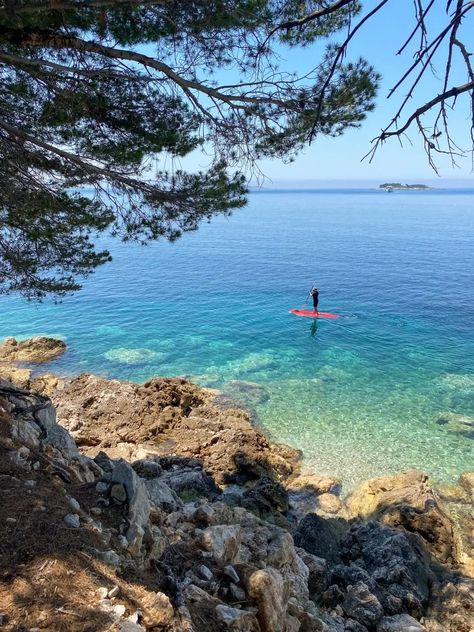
x=129, y=507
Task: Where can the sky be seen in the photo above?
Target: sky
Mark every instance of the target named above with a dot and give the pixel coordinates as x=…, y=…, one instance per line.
x=340, y=159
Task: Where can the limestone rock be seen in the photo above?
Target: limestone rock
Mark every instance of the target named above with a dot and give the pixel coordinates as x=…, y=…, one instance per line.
x=270, y=592
x=138, y=501
x=237, y=619
x=33, y=425
x=38, y=349
x=191, y=481
x=329, y=503
x=147, y=468
x=319, y=575
x=162, y=496
x=265, y=497
x=360, y=604
x=163, y=413
x=315, y=483
x=48, y=384
x=400, y=623
x=18, y=376
x=466, y=480
x=453, y=494
x=157, y=610
x=222, y=541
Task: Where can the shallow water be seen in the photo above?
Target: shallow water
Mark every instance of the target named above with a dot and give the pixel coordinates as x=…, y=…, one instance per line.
x=360, y=395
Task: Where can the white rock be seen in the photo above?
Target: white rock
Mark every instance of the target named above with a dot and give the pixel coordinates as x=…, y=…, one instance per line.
x=113, y=592
x=119, y=610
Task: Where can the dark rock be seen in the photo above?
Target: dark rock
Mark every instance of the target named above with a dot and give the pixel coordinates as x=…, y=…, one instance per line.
x=319, y=575
x=266, y=497
x=195, y=482
x=321, y=537
x=332, y=597
x=395, y=561
x=352, y=574
x=400, y=623
x=118, y=493
x=147, y=468
x=360, y=604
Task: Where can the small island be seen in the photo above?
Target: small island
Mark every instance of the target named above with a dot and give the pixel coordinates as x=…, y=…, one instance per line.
x=397, y=186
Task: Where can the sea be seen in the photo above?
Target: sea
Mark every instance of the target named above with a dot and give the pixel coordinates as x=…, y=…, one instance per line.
x=389, y=385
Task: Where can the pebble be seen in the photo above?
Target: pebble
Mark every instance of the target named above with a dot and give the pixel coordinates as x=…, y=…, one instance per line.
x=75, y=506
x=112, y=558
x=102, y=592
x=205, y=572
x=119, y=609
x=101, y=487
x=36, y=465
x=232, y=574
x=118, y=492
x=113, y=592
x=30, y=483
x=72, y=521
x=237, y=593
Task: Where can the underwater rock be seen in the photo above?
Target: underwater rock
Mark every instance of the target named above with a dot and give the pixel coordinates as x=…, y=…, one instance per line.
x=130, y=356
x=249, y=393
x=457, y=423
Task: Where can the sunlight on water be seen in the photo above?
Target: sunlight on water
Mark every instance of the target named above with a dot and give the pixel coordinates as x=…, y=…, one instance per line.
x=388, y=385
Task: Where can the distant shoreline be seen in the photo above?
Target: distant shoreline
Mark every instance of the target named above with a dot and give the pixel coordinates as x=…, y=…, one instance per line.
x=397, y=186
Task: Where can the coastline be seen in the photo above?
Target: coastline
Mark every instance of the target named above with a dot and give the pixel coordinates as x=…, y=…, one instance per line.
x=161, y=470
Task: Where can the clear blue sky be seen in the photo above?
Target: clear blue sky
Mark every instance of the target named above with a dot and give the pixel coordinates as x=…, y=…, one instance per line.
x=340, y=158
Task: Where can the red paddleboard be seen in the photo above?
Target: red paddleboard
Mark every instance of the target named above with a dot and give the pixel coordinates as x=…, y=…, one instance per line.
x=311, y=314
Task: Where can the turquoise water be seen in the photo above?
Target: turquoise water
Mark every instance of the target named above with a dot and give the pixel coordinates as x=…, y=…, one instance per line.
x=360, y=395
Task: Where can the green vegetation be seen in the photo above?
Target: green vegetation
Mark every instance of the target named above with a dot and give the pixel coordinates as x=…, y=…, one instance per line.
x=101, y=100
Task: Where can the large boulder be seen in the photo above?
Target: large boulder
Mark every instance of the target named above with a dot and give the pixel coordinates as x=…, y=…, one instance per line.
x=29, y=421
x=321, y=537
x=270, y=593
x=407, y=501
x=138, y=502
x=360, y=604
x=396, y=566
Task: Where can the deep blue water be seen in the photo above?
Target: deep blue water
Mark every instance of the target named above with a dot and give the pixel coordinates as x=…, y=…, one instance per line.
x=360, y=395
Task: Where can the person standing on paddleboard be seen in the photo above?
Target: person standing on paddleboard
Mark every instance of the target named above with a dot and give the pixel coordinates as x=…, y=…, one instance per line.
x=315, y=294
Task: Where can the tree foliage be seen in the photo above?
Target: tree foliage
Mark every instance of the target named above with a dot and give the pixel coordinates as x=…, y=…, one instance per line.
x=101, y=99
x=98, y=96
